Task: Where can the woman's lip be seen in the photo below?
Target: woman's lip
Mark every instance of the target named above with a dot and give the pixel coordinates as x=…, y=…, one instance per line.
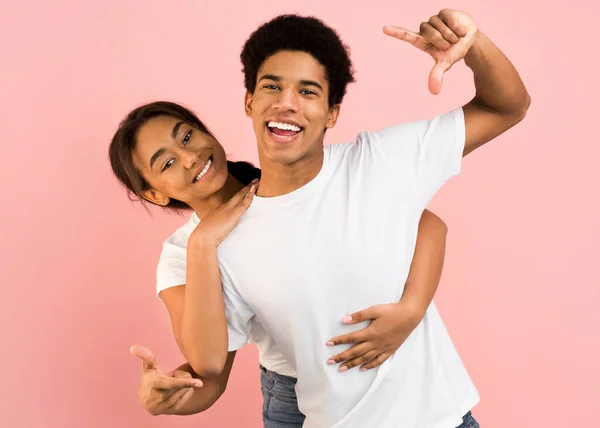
x=210, y=158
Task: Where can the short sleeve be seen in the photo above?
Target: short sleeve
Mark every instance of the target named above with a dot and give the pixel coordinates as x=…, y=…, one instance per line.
x=426, y=153
x=170, y=271
x=238, y=312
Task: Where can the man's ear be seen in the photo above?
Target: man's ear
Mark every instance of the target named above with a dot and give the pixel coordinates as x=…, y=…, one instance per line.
x=332, y=118
x=248, y=104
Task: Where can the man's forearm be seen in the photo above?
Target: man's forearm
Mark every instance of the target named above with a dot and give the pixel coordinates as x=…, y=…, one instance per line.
x=498, y=86
x=426, y=267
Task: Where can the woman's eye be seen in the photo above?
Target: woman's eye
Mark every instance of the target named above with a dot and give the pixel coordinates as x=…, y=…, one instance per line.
x=187, y=137
x=168, y=164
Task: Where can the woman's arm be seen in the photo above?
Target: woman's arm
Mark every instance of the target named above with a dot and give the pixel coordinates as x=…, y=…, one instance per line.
x=180, y=392
x=211, y=391
x=198, y=316
x=197, y=310
x=392, y=323
x=427, y=264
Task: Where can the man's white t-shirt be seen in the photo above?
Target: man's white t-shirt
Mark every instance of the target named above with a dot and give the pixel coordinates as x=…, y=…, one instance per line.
x=297, y=264
x=171, y=273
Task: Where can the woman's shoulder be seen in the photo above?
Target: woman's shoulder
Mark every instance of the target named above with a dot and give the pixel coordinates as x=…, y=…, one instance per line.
x=178, y=239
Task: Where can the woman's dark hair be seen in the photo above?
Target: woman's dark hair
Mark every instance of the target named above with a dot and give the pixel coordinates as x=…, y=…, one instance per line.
x=125, y=140
x=303, y=34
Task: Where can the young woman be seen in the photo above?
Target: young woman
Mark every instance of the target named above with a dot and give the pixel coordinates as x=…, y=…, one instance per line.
x=163, y=154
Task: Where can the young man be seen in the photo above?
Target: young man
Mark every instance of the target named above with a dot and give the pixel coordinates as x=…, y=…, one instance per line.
x=332, y=228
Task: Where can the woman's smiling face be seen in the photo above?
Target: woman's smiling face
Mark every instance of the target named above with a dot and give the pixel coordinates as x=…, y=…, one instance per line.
x=179, y=161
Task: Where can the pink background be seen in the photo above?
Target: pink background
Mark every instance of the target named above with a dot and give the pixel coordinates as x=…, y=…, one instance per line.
x=520, y=290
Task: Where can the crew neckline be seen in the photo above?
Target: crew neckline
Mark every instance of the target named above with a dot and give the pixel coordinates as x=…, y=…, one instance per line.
x=295, y=195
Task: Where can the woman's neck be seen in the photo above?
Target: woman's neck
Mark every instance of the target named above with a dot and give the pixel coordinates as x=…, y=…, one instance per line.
x=231, y=187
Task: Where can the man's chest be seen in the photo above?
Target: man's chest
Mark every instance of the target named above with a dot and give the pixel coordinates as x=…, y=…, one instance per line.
x=308, y=260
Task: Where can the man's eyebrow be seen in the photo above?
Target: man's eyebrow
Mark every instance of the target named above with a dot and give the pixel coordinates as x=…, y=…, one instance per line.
x=311, y=83
x=270, y=77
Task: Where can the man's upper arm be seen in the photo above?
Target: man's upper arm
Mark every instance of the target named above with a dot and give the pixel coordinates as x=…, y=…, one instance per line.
x=425, y=154
x=483, y=125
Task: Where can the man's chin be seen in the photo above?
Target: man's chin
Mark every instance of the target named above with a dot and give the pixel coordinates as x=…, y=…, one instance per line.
x=279, y=152
x=282, y=158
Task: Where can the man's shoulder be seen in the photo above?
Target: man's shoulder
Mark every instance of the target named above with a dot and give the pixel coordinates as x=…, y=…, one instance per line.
x=338, y=152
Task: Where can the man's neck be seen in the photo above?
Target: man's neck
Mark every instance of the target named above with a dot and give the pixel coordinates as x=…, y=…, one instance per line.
x=279, y=179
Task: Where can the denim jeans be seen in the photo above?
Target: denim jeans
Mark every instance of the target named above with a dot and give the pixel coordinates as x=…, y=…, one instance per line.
x=280, y=407
x=468, y=422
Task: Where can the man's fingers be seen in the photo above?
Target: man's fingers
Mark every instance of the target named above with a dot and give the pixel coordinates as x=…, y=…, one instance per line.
x=452, y=19
x=403, y=34
x=375, y=362
x=175, y=383
x=436, y=77
x=354, y=352
x=360, y=360
x=437, y=23
x=434, y=37
x=146, y=355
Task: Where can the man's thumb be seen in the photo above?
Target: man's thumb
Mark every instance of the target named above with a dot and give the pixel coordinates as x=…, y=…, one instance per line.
x=436, y=77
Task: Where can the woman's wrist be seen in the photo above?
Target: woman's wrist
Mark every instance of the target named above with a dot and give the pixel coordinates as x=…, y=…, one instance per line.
x=198, y=242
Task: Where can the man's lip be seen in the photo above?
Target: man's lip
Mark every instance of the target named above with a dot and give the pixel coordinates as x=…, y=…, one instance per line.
x=279, y=139
x=287, y=121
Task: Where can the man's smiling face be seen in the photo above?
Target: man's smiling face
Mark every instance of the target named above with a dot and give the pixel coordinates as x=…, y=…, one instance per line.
x=289, y=107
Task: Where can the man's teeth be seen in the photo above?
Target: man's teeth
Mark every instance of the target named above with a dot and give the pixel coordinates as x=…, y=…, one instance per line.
x=284, y=126
x=204, y=170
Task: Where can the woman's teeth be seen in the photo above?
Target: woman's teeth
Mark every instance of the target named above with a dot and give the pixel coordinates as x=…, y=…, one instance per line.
x=284, y=126
x=204, y=170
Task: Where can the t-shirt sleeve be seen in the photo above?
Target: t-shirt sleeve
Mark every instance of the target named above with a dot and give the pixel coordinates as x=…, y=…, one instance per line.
x=170, y=271
x=238, y=313
x=426, y=153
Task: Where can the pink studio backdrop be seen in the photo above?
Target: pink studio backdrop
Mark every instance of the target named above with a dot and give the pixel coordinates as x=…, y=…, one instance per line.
x=520, y=288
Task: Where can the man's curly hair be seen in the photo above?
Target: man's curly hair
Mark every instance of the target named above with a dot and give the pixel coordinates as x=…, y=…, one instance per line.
x=303, y=34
